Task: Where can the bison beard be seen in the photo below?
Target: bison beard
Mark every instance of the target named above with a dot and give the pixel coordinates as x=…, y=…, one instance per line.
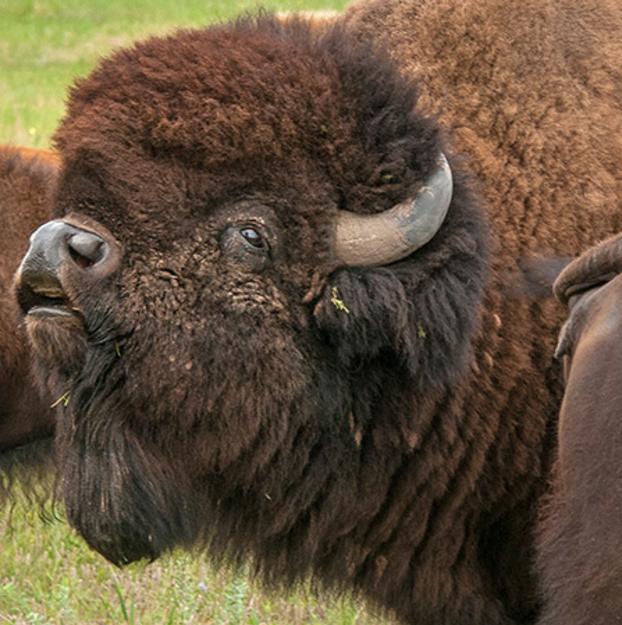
x=385, y=429
x=144, y=509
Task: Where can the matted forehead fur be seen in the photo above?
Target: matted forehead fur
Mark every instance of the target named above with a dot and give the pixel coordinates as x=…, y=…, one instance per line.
x=190, y=120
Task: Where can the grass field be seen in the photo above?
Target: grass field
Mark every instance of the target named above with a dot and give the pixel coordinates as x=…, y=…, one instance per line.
x=47, y=575
x=45, y=44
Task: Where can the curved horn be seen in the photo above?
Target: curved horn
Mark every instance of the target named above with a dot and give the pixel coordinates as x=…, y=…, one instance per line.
x=365, y=240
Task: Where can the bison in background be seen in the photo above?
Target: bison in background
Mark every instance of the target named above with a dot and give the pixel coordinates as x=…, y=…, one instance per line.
x=26, y=181
x=580, y=538
x=249, y=365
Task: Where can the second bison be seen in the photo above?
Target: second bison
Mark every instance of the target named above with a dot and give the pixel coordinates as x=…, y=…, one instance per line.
x=580, y=540
x=277, y=331
x=26, y=182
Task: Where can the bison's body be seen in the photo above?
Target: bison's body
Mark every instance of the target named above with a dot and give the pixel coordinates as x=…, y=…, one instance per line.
x=26, y=178
x=229, y=382
x=581, y=539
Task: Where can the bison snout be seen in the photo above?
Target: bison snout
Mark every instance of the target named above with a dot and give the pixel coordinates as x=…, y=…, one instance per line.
x=61, y=251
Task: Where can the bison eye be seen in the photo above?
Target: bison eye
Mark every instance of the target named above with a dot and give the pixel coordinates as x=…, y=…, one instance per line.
x=247, y=245
x=253, y=237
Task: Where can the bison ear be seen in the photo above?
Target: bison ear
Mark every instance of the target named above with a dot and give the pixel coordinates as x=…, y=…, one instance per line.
x=366, y=311
x=421, y=313
x=353, y=313
x=366, y=315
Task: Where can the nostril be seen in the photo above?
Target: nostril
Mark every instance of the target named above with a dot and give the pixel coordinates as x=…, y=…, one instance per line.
x=58, y=248
x=86, y=249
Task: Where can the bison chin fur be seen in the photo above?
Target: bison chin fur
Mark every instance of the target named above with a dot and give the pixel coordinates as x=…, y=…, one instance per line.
x=125, y=504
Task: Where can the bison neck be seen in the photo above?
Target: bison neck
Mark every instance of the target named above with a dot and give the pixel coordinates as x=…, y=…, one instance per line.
x=409, y=496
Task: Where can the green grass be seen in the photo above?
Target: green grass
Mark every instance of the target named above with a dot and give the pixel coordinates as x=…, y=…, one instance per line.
x=45, y=44
x=47, y=574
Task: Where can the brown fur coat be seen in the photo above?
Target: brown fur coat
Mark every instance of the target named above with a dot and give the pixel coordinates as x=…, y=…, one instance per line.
x=530, y=94
x=26, y=177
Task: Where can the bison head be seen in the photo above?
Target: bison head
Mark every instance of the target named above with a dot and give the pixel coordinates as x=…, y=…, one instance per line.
x=232, y=305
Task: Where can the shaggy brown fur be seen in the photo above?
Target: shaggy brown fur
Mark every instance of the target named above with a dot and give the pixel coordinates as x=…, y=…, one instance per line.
x=26, y=180
x=580, y=542
x=392, y=437
x=26, y=177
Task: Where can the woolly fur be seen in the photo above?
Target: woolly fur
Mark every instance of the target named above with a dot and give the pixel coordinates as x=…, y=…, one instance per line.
x=26, y=182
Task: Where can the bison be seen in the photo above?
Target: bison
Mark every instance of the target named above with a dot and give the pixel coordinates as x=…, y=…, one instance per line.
x=580, y=539
x=273, y=302
x=26, y=182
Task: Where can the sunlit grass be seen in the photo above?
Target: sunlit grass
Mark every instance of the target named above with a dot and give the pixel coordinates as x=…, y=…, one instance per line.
x=46, y=44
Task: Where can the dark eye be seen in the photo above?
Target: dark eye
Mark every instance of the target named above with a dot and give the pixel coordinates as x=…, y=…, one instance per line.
x=247, y=244
x=253, y=237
